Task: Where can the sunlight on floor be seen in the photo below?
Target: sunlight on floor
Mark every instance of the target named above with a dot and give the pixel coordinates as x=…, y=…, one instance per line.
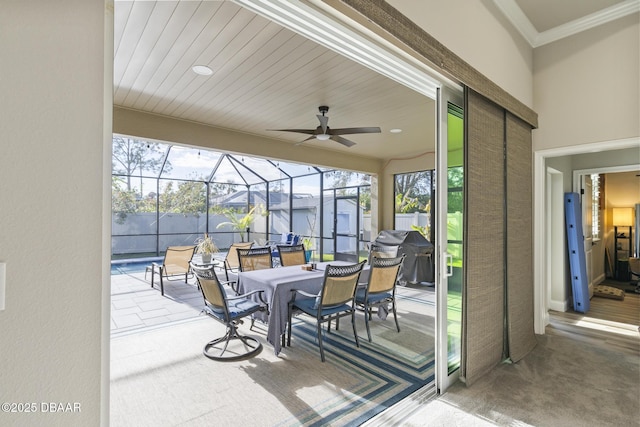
x=612, y=327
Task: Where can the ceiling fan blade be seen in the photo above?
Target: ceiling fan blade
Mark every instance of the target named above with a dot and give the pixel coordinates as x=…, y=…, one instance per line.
x=348, y=131
x=324, y=120
x=343, y=141
x=305, y=140
x=307, y=131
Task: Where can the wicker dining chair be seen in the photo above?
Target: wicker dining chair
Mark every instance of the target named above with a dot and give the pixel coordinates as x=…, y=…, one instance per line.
x=291, y=255
x=382, y=251
x=229, y=310
x=231, y=262
x=380, y=289
x=335, y=300
x=258, y=258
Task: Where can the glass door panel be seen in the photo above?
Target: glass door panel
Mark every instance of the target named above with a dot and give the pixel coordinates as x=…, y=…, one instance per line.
x=346, y=227
x=449, y=236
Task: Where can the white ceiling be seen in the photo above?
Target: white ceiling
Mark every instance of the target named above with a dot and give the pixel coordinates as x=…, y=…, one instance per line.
x=264, y=77
x=545, y=21
x=267, y=77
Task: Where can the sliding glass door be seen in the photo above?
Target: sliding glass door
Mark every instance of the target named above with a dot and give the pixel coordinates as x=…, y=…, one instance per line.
x=449, y=236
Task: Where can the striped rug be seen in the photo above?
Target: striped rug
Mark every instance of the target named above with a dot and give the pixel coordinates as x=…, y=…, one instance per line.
x=159, y=376
x=380, y=373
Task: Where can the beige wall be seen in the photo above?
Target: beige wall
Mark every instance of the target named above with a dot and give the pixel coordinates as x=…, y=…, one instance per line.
x=478, y=32
x=51, y=169
x=587, y=86
x=622, y=189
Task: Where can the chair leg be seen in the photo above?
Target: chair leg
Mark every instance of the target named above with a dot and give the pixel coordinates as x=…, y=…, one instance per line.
x=161, y=282
x=289, y=324
x=367, y=309
x=232, y=333
x=320, y=341
x=153, y=273
x=353, y=323
x=395, y=316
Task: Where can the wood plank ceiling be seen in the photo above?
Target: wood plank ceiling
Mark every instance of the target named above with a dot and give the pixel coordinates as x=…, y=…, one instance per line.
x=264, y=77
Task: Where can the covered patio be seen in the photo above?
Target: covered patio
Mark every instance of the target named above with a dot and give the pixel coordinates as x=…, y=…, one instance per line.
x=157, y=362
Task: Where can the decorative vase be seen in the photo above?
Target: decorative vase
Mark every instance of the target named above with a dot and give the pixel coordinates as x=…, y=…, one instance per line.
x=206, y=258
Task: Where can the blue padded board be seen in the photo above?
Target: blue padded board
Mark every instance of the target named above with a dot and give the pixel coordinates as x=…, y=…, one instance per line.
x=577, y=263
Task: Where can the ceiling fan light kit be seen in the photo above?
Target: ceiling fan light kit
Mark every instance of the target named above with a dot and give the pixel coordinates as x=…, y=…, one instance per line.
x=324, y=132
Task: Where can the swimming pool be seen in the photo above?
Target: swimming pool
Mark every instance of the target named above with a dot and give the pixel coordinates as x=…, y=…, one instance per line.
x=132, y=265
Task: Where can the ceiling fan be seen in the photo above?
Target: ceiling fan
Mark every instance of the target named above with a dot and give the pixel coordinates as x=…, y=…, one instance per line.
x=324, y=132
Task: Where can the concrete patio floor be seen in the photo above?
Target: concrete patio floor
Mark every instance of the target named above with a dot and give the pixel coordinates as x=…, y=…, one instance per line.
x=135, y=305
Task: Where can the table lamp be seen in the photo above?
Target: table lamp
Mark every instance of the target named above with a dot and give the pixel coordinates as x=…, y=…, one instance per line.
x=622, y=217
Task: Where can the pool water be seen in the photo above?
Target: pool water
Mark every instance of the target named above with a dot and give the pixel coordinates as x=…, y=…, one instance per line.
x=131, y=266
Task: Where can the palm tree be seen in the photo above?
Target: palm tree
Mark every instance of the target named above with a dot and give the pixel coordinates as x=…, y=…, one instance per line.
x=241, y=224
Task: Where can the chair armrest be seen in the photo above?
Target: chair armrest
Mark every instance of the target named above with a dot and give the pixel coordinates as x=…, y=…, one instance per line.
x=306, y=294
x=248, y=294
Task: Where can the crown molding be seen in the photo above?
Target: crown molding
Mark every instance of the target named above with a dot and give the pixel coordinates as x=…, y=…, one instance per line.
x=520, y=21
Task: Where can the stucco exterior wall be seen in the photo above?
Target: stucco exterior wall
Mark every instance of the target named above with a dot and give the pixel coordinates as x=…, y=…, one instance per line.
x=52, y=81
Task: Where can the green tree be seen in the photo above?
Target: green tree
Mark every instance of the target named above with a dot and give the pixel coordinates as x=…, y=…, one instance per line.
x=241, y=223
x=190, y=197
x=123, y=201
x=132, y=157
x=413, y=191
x=455, y=184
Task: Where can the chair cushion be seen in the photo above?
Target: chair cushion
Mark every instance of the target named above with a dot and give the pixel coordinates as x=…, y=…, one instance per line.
x=242, y=307
x=373, y=298
x=237, y=308
x=309, y=306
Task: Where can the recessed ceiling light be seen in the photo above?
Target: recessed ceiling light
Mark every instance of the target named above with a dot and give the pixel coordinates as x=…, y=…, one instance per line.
x=395, y=130
x=203, y=70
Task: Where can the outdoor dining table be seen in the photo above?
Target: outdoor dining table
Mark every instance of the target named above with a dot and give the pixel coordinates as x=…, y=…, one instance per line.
x=277, y=284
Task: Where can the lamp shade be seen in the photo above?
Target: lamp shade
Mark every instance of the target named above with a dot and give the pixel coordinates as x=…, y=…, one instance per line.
x=623, y=217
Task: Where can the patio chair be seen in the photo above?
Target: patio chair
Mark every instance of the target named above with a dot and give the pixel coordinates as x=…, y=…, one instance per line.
x=380, y=290
x=286, y=239
x=176, y=263
x=335, y=300
x=230, y=311
x=255, y=258
x=382, y=251
x=291, y=255
x=231, y=262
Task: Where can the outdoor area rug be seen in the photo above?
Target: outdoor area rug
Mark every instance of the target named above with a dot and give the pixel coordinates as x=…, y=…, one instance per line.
x=160, y=377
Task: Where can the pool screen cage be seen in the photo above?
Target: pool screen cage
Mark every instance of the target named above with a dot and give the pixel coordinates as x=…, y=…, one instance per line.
x=165, y=194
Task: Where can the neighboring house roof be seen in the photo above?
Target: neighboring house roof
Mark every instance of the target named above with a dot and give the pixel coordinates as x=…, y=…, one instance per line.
x=277, y=201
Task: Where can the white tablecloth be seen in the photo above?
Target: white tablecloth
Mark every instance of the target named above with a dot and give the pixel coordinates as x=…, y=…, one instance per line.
x=277, y=284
